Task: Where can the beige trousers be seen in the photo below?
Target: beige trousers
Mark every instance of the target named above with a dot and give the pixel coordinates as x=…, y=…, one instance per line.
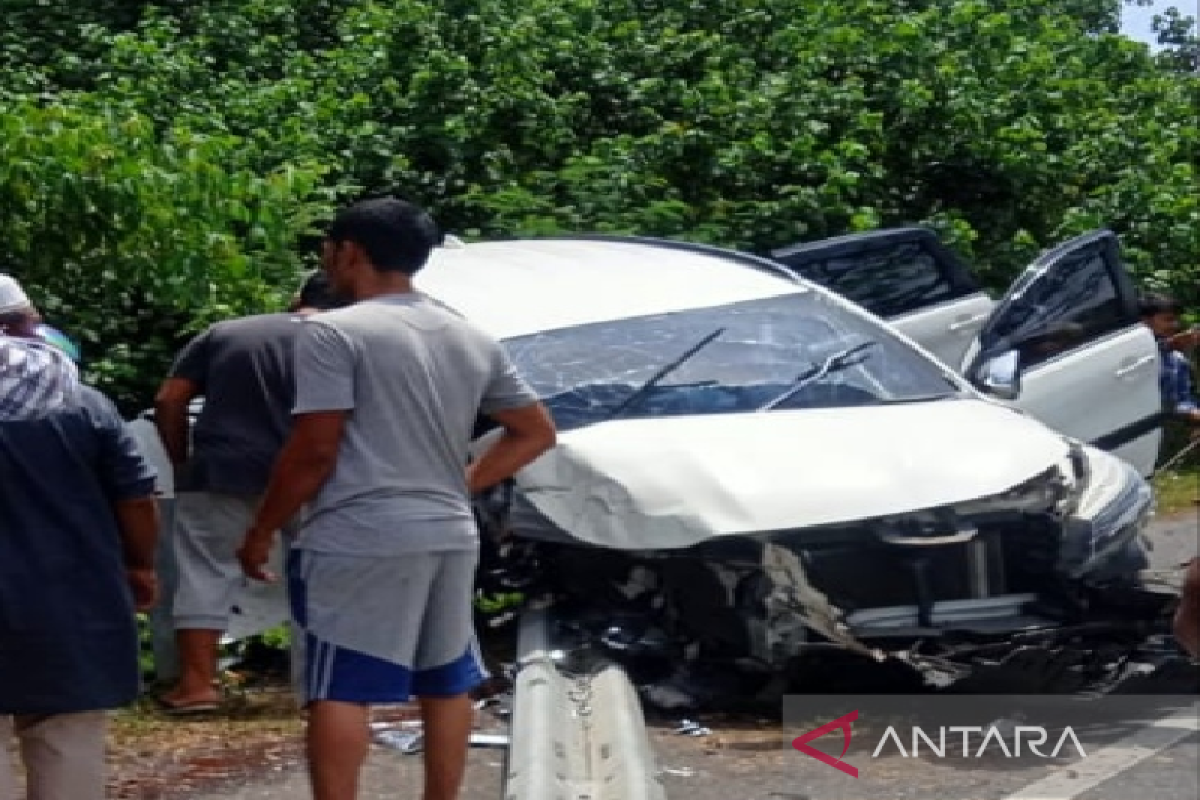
x=63, y=755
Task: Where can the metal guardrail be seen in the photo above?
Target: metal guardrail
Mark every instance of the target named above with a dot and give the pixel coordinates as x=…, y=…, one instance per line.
x=575, y=737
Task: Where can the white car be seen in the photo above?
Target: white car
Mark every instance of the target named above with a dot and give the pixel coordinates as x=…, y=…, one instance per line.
x=754, y=467
x=764, y=468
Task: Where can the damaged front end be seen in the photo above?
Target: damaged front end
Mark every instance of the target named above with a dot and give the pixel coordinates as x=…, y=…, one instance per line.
x=1032, y=589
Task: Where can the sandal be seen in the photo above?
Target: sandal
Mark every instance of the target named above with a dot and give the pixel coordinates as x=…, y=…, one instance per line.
x=176, y=709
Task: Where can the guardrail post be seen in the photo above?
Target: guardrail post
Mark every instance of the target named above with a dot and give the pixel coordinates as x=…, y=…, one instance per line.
x=553, y=754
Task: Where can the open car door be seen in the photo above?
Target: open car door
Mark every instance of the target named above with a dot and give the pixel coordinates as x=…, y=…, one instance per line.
x=905, y=275
x=1067, y=346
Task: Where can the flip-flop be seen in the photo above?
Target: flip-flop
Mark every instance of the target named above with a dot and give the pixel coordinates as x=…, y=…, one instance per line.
x=182, y=709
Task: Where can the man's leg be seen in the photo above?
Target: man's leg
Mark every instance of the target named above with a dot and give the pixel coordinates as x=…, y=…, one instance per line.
x=338, y=738
x=208, y=532
x=199, y=650
x=64, y=755
x=8, y=781
x=449, y=667
x=337, y=685
x=448, y=722
x=1187, y=616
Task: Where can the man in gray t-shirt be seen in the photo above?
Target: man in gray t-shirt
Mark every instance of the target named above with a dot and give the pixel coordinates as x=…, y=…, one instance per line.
x=387, y=395
x=243, y=369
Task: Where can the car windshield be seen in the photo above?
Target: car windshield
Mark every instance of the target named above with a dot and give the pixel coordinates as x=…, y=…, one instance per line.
x=777, y=353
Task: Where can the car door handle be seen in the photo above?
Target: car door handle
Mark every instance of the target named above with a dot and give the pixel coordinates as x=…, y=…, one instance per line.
x=1135, y=366
x=962, y=323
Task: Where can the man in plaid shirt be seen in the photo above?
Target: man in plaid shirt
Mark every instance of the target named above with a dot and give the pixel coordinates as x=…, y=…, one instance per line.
x=79, y=523
x=35, y=377
x=1162, y=315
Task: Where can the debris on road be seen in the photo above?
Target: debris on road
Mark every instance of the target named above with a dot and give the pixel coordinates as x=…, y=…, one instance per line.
x=679, y=772
x=409, y=738
x=490, y=740
x=689, y=727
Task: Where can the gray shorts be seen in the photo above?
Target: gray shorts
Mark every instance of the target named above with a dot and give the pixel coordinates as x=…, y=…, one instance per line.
x=209, y=529
x=379, y=630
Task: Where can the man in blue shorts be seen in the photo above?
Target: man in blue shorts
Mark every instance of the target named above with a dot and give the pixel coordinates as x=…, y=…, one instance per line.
x=387, y=395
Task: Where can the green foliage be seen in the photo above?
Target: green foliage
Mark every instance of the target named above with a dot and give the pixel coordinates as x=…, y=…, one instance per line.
x=134, y=237
x=1007, y=124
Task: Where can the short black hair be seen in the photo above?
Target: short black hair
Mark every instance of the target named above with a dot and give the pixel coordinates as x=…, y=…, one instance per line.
x=1153, y=303
x=317, y=293
x=396, y=235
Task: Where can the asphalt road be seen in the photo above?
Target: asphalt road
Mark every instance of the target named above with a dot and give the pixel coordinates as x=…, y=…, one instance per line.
x=751, y=763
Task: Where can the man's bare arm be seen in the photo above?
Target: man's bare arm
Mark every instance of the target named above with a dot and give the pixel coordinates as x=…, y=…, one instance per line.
x=301, y=469
x=137, y=519
x=528, y=432
x=171, y=416
x=1187, y=616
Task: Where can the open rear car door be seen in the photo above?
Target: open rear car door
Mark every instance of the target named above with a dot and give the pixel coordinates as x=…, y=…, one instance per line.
x=1067, y=346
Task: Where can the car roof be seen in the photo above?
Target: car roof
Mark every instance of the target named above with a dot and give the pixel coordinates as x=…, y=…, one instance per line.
x=519, y=287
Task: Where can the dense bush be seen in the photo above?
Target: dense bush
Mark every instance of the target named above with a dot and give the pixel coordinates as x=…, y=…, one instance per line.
x=132, y=237
x=173, y=154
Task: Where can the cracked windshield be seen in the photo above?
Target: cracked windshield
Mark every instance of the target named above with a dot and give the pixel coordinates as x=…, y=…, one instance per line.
x=733, y=358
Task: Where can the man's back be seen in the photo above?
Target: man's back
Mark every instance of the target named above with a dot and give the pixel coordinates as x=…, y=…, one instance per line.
x=243, y=367
x=67, y=639
x=419, y=376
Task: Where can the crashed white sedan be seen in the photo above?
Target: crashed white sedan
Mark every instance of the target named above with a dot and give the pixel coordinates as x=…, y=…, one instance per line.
x=751, y=468
x=754, y=472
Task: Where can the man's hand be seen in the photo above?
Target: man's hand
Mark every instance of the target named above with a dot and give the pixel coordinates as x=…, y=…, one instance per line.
x=528, y=432
x=1186, y=341
x=254, y=554
x=144, y=583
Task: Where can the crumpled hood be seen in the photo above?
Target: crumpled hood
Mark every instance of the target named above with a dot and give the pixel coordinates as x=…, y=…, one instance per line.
x=672, y=482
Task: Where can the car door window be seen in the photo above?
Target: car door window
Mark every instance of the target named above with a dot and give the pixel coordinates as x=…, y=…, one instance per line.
x=1076, y=299
x=891, y=275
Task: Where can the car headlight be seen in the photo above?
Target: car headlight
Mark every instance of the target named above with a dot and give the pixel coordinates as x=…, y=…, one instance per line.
x=1102, y=539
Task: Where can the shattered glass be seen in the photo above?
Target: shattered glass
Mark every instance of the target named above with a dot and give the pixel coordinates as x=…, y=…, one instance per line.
x=587, y=372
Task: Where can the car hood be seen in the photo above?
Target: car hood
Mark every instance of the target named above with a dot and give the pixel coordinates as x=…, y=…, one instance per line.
x=673, y=482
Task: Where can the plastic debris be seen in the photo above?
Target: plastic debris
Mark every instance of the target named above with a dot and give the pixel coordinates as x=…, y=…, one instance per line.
x=679, y=772
x=408, y=742
x=489, y=739
x=409, y=738
x=689, y=727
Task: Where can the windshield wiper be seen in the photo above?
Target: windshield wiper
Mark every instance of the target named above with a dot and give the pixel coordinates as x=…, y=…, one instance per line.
x=658, y=377
x=842, y=359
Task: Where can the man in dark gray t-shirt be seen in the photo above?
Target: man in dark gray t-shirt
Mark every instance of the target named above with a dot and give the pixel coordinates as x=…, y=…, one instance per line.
x=243, y=370
x=387, y=395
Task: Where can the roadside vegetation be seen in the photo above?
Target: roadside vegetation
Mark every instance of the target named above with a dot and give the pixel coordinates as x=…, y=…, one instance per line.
x=164, y=162
x=1178, y=486
x=1179, y=490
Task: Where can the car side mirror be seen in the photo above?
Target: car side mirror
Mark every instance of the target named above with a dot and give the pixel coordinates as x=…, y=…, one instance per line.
x=999, y=375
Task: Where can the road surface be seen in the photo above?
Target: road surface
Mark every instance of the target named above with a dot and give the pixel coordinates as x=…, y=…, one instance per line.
x=752, y=764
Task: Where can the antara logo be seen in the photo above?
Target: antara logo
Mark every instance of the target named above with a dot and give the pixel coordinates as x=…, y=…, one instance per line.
x=801, y=743
x=1032, y=736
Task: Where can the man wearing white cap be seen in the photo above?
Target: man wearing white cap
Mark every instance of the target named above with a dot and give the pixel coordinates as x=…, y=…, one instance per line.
x=79, y=521
x=18, y=317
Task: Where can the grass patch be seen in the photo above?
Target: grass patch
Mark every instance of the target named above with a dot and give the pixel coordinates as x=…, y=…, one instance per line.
x=1178, y=489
